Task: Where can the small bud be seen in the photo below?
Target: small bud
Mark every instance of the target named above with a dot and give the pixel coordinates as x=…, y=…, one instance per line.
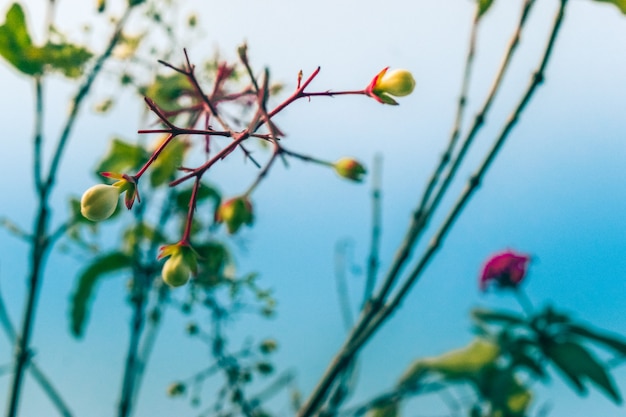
x=235, y=213
x=180, y=264
x=395, y=83
x=176, y=389
x=268, y=346
x=99, y=202
x=192, y=329
x=350, y=168
x=175, y=271
x=264, y=368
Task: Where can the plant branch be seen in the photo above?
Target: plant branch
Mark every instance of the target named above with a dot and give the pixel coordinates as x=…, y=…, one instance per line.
x=471, y=186
x=372, y=260
x=376, y=313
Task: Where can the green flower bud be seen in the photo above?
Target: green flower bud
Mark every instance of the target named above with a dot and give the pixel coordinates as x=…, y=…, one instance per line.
x=99, y=202
x=235, y=213
x=350, y=168
x=175, y=270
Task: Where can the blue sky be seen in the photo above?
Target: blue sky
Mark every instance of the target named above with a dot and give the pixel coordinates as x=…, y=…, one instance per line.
x=557, y=191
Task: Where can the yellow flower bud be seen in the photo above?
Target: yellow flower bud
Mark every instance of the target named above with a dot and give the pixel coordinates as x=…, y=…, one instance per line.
x=399, y=83
x=99, y=202
x=350, y=168
x=389, y=84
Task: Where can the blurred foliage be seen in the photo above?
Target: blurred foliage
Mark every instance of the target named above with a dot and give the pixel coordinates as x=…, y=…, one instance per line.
x=17, y=48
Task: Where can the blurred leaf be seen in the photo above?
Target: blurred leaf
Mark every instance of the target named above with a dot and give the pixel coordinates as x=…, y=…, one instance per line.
x=141, y=232
x=16, y=47
x=620, y=4
x=489, y=316
x=212, y=259
x=163, y=169
x=15, y=42
x=505, y=392
x=617, y=343
x=165, y=91
x=66, y=58
x=483, y=6
x=466, y=362
x=578, y=363
x=121, y=157
x=204, y=192
x=530, y=363
x=389, y=409
x=79, y=303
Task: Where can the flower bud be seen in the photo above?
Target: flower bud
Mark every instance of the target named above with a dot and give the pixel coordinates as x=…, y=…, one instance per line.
x=350, y=168
x=507, y=269
x=176, y=389
x=175, y=271
x=396, y=83
x=179, y=266
x=99, y=202
x=235, y=213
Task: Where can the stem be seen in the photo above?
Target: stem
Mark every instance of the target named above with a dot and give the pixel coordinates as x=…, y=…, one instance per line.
x=132, y=362
x=471, y=187
x=375, y=314
x=372, y=260
x=37, y=373
x=38, y=139
x=41, y=243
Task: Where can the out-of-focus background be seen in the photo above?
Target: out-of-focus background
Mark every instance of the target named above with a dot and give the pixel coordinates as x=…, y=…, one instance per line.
x=557, y=190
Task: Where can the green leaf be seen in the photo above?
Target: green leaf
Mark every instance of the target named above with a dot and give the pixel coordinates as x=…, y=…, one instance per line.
x=577, y=363
x=464, y=363
x=388, y=409
x=204, y=192
x=141, y=233
x=620, y=4
x=489, y=316
x=15, y=43
x=87, y=280
x=65, y=58
x=165, y=91
x=616, y=343
x=16, y=47
x=121, y=157
x=213, y=257
x=169, y=160
x=483, y=6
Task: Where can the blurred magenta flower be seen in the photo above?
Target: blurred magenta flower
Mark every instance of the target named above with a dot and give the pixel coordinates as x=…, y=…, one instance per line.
x=507, y=269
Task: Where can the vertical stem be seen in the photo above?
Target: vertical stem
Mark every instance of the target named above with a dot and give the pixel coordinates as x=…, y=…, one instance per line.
x=40, y=238
x=132, y=360
x=372, y=260
x=37, y=259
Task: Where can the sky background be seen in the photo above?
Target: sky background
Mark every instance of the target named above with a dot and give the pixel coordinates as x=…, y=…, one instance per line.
x=557, y=190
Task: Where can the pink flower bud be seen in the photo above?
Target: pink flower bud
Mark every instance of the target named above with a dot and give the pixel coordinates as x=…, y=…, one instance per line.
x=507, y=269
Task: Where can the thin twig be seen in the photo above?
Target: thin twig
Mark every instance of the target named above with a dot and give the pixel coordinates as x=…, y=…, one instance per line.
x=372, y=260
x=375, y=314
x=45, y=384
x=471, y=186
